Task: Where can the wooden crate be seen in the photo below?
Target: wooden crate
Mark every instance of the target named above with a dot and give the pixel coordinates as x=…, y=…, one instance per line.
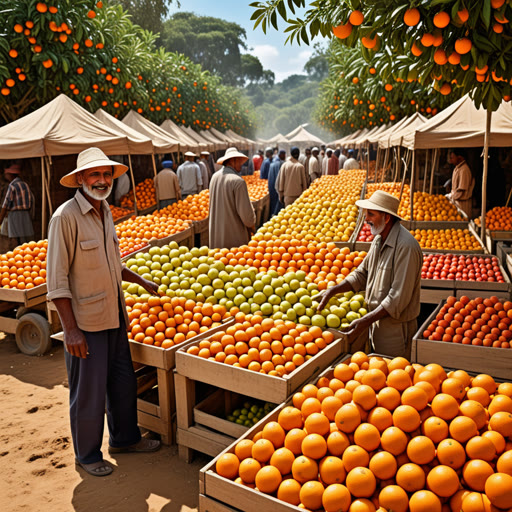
x=124, y=217
x=473, y=294
x=487, y=286
x=201, y=232
x=265, y=209
x=207, y=504
x=252, y=384
x=132, y=254
x=184, y=238
x=503, y=249
x=27, y=298
x=434, y=295
x=472, y=358
x=493, y=237
x=148, y=210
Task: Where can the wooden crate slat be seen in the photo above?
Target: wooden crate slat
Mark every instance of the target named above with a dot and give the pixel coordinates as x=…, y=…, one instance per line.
x=199, y=440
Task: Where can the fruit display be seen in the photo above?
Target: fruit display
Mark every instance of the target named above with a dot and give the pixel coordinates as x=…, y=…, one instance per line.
x=497, y=219
x=256, y=187
x=447, y=239
x=193, y=207
x=118, y=212
x=461, y=267
x=250, y=413
x=323, y=262
x=136, y=232
x=264, y=345
x=477, y=321
x=146, y=196
x=384, y=434
x=195, y=275
x=25, y=266
x=165, y=322
x=365, y=234
x=325, y=212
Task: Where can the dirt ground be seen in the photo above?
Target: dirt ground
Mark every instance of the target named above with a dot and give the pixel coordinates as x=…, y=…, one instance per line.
x=36, y=456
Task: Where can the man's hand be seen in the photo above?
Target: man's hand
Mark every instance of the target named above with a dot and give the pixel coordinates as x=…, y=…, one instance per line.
x=357, y=327
x=323, y=298
x=149, y=286
x=75, y=343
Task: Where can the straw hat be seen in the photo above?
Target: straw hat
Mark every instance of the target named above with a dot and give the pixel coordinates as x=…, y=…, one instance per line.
x=231, y=153
x=382, y=202
x=205, y=153
x=189, y=153
x=88, y=159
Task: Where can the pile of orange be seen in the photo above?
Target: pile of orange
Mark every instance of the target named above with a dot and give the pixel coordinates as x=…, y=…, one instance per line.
x=136, y=232
x=25, y=266
x=323, y=262
x=194, y=207
x=385, y=434
x=479, y=321
x=447, y=239
x=325, y=212
x=497, y=219
x=273, y=347
x=256, y=187
x=391, y=187
x=118, y=212
x=146, y=195
x=165, y=322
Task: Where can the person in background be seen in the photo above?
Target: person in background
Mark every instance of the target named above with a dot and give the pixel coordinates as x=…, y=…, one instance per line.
x=167, y=185
x=189, y=176
x=204, y=173
x=207, y=159
x=463, y=182
x=391, y=276
x=275, y=166
x=314, y=165
x=231, y=218
x=292, y=179
x=84, y=282
x=123, y=185
x=333, y=164
x=350, y=162
x=248, y=167
x=257, y=160
x=306, y=164
x=325, y=161
x=265, y=166
x=302, y=157
x=17, y=206
x=342, y=158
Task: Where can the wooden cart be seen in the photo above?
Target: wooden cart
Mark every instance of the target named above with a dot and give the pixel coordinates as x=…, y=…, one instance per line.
x=201, y=232
x=24, y=314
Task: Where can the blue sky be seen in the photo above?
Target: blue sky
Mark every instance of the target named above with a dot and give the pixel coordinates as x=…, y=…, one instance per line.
x=270, y=48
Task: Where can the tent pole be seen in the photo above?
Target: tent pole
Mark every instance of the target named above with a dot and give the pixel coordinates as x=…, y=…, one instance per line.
x=412, y=183
x=434, y=158
x=386, y=157
x=486, y=170
x=368, y=160
x=402, y=185
x=425, y=172
x=43, y=199
x=377, y=158
x=508, y=199
x=132, y=179
x=47, y=184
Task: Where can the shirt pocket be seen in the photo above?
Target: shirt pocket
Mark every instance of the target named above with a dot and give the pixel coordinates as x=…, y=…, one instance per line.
x=91, y=253
x=94, y=305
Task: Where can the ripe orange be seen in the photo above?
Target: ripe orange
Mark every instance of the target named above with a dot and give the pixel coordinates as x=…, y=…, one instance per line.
x=451, y=453
x=475, y=473
x=367, y=436
x=421, y=450
x=498, y=488
x=311, y=495
x=355, y=456
x=399, y=379
x=332, y=470
x=282, y=459
x=293, y=440
x=435, y=428
x=383, y=465
x=406, y=418
x=304, y=469
x=290, y=418
x=336, y=498
x=317, y=423
x=394, y=440
x=410, y=477
x=248, y=469
x=415, y=397
x=424, y=501
x=337, y=442
x=227, y=465
x=347, y=418
x=262, y=450
x=445, y=406
x=243, y=449
x=288, y=491
x=502, y=422
x=443, y=481
x=381, y=418
x=268, y=479
x=314, y=446
x=462, y=429
x=361, y=482
x=393, y=497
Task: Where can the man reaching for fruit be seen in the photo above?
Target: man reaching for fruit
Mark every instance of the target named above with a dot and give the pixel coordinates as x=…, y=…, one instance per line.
x=84, y=282
x=391, y=276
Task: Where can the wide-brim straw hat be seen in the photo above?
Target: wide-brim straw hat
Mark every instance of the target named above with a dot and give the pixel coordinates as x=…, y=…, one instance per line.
x=189, y=153
x=205, y=153
x=231, y=153
x=382, y=202
x=89, y=159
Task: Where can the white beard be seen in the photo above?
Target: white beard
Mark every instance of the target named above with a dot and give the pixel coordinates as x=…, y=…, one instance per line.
x=377, y=230
x=94, y=193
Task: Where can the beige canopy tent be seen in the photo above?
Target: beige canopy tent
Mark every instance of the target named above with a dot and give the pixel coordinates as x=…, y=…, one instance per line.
x=341, y=142
x=232, y=141
x=414, y=122
x=219, y=143
x=365, y=137
x=247, y=142
x=374, y=138
x=303, y=138
x=210, y=146
x=294, y=132
x=462, y=125
x=186, y=142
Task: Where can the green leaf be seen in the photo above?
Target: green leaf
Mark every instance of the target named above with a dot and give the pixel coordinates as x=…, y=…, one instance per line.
x=273, y=19
x=281, y=9
x=486, y=12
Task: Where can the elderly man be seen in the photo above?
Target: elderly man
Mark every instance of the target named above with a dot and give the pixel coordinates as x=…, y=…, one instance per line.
x=314, y=165
x=205, y=178
x=292, y=180
x=232, y=218
x=84, y=283
x=391, y=276
x=167, y=185
x=463, y=182
x=265, y=166
x=189, y=174
x=351, y=163
x=207, y=160
x=17, y=206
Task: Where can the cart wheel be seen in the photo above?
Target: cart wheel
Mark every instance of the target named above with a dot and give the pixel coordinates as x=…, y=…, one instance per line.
x=33, y=334
x=21, y=311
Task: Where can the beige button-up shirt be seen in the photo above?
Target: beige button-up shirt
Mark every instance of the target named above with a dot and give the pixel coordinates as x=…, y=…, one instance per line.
x=291, y=180
x=391, y=276
x=83, y=264
x=167, y=184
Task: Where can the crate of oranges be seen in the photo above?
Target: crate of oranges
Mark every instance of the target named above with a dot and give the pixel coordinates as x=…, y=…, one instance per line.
x=475, y=334
x=375, y=433
x=260, y=357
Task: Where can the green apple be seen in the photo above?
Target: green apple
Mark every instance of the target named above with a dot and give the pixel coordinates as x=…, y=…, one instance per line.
x=333, y=321
x=291, y=314
x=218, y=284
x=248, y=291
x=274, y=299
x=299, y=308
x=306, y=300
x=291, y=298
x=285, y=306
x=355, y=305
x=189, y=294
x=230, y=292
x=268, y=290
x=213, y=273
x=259, y=298
x=131, y=262
x=306, y=320
x=258, y=285
x=239, y=299
x=294, y=284
x=245, y=308
x=266, y=309
x=207, y=291
x=351, y=316
x=246, y=281
x=318, y=320
x=255, y=307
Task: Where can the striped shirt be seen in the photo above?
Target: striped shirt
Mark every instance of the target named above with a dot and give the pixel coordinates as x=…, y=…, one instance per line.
x=18, y=196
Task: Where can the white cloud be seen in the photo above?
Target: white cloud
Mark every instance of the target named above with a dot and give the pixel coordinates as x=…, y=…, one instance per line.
x=282, y=66
x=268, y=55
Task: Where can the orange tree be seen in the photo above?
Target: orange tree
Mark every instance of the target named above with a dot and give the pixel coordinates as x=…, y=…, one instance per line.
x=452, y=44
x=92, y=52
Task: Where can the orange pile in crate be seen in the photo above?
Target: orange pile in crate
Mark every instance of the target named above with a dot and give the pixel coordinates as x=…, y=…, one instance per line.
x=25, y=266
x=473, y=322
x=146, y=195
x=385, y=434
x=135, y=233
x=165, y=322
x=447, y=239
x=194, y=207
x=274, y=347
x=118, y=212
x=256, y=187
x=497, y=219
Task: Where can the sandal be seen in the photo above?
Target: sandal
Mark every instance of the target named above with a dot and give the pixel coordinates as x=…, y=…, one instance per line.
x=143, y=446
x=100, y=468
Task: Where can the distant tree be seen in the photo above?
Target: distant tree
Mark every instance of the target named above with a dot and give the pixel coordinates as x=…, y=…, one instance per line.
x=317, y=67
x=292, y=81
x=149, y=14
x=253, y=72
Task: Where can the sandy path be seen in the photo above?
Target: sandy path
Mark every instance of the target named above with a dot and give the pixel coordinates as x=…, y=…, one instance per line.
x=36, y=458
